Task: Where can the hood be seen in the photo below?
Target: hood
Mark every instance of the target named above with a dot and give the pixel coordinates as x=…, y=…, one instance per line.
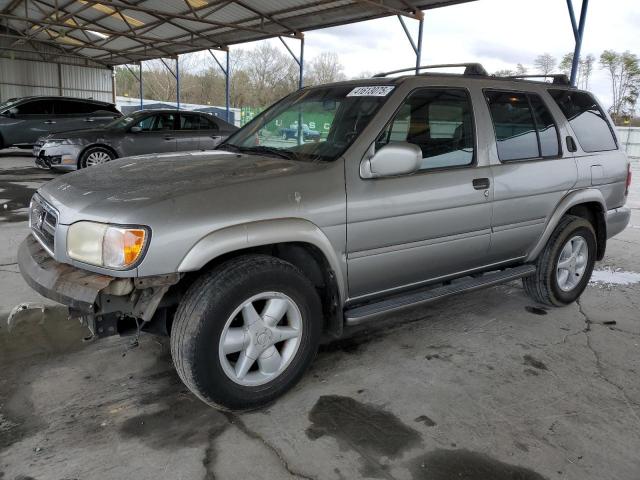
x=83, y=134
x=132, y=183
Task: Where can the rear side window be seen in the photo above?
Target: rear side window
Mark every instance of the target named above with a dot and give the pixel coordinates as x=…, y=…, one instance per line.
x=207, y=123
x=586, y=119
x=523, y=126
x=440, y=122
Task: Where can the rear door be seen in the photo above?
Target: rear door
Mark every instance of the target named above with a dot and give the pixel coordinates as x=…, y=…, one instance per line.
x=157, y=135
x=70, y=115
x=210, y=133
x=531, y=173
x=188, y=133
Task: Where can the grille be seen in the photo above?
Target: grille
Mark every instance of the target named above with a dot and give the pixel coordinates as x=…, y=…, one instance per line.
x=43, y=220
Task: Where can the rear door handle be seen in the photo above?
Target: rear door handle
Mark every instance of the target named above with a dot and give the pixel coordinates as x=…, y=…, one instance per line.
x=169, y=138
x=481, y=183
x=89, y=120
x=50, y=122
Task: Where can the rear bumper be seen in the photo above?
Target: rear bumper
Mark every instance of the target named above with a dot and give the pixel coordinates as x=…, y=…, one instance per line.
x=617, y=220
x=71, y=286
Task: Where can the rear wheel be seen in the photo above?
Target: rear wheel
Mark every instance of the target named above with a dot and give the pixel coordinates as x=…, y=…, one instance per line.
x=95, y=156
x=565, y=265
x=246, y=332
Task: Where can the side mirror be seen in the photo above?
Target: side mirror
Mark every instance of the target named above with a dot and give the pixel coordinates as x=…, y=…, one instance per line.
x=135, y=129
x=394, y=159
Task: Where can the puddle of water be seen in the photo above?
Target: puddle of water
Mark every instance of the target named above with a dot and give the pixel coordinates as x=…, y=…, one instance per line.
x=467, y=465
x=609, y=276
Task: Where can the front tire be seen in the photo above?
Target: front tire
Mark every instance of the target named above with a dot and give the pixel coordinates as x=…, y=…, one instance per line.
x=245, y=332
x=565, y=265
x=95, y=156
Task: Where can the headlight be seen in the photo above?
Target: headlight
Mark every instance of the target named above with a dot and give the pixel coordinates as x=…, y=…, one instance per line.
x=108, y=246
x=54, y=142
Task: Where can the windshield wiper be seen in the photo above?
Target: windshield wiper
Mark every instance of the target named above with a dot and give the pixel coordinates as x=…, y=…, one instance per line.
x=269, y=151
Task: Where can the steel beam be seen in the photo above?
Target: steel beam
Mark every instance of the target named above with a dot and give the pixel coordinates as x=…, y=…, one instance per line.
x=417, y=46
x=578, y=33
x=178, y=82
x=227, y=74
x=298, y=59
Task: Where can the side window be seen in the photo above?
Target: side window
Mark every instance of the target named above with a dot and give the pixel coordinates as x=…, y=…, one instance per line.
x=189, y=121
x=36, y=107
x=146, y=123
x=523, y=126
x=586, y=119
x=164, y=121
x=207, y=123
x=440, y=122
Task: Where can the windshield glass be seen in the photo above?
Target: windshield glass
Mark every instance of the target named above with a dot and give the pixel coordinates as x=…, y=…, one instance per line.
x=7, y=104
x=314, y=124
x=126, y=121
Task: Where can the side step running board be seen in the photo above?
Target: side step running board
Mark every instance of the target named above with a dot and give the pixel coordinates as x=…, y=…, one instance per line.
x=370, y=311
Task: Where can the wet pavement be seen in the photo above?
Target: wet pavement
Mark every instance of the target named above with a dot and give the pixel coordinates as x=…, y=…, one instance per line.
x=486, y=386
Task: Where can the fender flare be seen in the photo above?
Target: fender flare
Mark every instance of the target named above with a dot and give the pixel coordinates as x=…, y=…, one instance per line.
x=265, y=232
x=576, y=197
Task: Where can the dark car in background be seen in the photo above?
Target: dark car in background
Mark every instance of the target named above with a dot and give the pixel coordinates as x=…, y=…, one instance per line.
x=307, y=133
x=24, y=120
x=143, y=132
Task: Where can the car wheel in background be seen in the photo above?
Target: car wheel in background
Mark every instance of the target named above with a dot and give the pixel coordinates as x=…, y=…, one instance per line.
x=245, y=332
x=95, y=156
x=565, y=265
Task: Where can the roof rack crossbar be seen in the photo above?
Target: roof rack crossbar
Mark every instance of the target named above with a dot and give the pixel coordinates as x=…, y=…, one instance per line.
x=558, y=78
x=470, y=69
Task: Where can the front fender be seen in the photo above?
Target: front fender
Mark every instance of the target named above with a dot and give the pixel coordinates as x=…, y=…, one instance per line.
x=576, y=197
x=256, y=234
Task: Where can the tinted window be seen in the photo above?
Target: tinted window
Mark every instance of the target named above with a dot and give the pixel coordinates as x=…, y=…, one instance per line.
x=36, y=107
x=72, y=107
x=587, y=120
x=164, y=121
x=145, y=123
x=440, y=122
x=189, y=121
x=546, y=126
x=514, y=125
x=207, y=123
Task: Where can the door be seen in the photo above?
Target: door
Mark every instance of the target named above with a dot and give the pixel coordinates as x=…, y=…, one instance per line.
x=188, y=135
x=406, y=230
x=157, y=134
x=210, y=133
x=34, y=119
x=531, y=174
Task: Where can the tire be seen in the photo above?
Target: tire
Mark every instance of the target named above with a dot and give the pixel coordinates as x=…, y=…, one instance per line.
x=207, y=312
x=95, y=156
x=285, y=136
x=548, y=285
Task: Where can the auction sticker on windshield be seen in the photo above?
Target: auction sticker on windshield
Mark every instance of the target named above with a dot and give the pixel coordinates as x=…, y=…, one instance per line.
x=373, y=91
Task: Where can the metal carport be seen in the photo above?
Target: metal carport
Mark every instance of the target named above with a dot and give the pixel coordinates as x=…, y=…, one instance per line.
x=123, y=32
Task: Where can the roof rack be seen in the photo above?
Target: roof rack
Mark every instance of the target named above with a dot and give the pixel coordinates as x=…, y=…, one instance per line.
x=558, y=78
x=470, y=69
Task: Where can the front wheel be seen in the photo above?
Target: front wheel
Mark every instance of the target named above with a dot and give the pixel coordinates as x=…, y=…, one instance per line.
x=95, y=156
x=565, y=265
x=245, y=332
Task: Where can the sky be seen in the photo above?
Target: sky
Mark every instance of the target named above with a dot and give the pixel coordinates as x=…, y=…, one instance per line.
x=497, y=33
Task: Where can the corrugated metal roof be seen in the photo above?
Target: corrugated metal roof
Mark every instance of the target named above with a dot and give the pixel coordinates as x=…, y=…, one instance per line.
x=117, y=32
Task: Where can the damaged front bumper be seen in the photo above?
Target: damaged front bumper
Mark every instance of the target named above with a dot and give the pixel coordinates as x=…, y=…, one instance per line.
x=99, y=301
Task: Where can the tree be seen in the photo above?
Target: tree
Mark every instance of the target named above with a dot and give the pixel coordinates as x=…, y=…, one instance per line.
x=585, y=68
x=624, y=75
x=505, y=72
x=521, y=69
x=545, y=63
x=325, y=68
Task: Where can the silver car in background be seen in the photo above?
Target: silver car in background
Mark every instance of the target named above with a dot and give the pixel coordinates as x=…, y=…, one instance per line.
x=143, y=132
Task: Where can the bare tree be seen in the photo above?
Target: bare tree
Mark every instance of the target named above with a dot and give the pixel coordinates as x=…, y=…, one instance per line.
x=521, y=69
x=545, y=63
x=325, y=68
x=505, y=72
x=586, y=69
x=624, y=75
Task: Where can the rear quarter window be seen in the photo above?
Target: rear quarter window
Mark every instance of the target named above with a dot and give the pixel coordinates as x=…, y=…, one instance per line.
x=587, y=120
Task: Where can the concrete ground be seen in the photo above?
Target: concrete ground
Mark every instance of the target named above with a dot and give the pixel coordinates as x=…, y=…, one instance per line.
x=486, y=386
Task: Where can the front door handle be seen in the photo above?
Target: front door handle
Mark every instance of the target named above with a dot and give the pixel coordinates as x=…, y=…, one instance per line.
x=169, y=138
x=481, y=183
x=50, y=122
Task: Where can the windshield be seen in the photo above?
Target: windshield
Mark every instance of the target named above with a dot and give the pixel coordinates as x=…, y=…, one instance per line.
x=8, y=103
x=124, y=122
x=315, y=124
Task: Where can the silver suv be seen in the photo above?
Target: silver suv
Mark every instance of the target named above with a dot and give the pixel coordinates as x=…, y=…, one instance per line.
x=418, y=188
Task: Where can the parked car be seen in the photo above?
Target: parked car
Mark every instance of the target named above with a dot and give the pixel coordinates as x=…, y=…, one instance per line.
x=144, y=132
x=24, y=120
x=292, y=132
x=426, y=186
